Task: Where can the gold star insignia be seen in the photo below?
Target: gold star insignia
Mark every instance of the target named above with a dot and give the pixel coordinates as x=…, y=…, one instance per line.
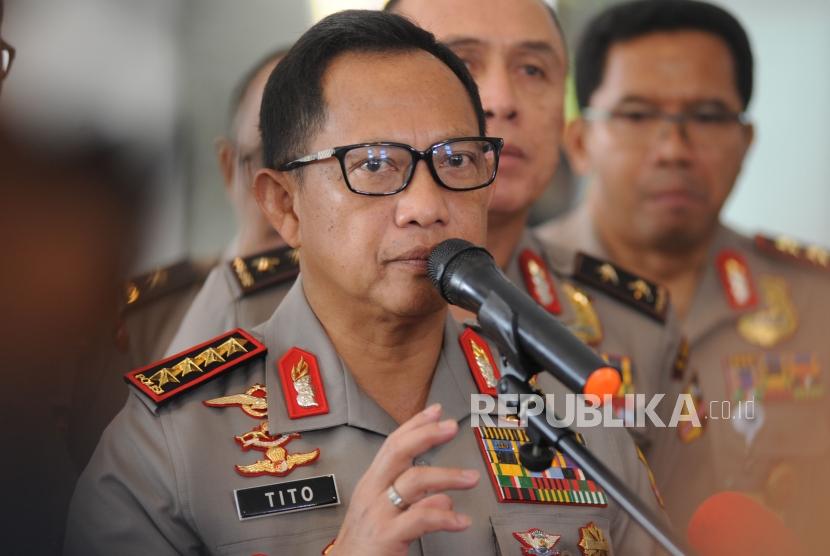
x=266, y=264
x=133, y=293
x=787, y=245
x=231, y=346
x=818, y=255
x=208, y=357
x=608, y=274
x=640, y=290
x=185, y=368
x=163, y=376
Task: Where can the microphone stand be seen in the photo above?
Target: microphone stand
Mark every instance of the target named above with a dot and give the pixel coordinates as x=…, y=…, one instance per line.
x=499, y=323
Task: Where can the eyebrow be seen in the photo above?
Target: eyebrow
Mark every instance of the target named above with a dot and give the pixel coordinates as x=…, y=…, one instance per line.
x=537, y=46
x=636, y=98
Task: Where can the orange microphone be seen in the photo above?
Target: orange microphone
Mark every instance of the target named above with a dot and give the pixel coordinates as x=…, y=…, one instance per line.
x=733, y=524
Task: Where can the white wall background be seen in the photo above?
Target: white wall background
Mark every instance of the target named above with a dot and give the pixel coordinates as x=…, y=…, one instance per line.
x=785, y=185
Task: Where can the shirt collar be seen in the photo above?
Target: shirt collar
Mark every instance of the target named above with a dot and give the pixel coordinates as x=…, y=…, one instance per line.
x=294, y=324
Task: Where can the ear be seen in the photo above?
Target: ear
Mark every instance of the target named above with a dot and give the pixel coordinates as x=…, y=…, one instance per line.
x=574, y=141
x=749, y=137
x=276, y=194
x=226, y=157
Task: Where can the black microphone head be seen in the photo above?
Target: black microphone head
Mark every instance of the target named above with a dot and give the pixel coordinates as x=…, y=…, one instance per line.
x=447, y=252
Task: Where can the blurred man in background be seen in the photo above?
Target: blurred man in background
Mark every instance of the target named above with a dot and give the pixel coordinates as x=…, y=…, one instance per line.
x=176, y=302
x=244, y=289
x=516, y=52
x=664, y=88
x=7, y=53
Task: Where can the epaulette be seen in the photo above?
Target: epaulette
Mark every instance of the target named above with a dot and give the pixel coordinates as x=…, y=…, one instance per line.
x=171, y=377
x=160, y=282
x=645, y=296
x=266, y=269
x=786, y=248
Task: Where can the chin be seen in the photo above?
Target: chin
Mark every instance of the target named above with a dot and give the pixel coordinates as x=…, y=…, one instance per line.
x=417, y=303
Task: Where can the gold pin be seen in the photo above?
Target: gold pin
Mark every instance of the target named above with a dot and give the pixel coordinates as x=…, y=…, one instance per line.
x=587, y=325
x=774, y=323
x=592, y=541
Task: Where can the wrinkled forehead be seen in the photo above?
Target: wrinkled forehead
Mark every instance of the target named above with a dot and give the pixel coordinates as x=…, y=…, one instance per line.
x=406, y=96
x=500, y=24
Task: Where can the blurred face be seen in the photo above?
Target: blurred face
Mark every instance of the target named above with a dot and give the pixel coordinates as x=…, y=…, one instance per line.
x=240, y=157
x=371, y=251
x=662, y=185
x=517, y=57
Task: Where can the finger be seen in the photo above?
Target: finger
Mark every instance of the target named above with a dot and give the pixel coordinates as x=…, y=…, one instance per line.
x=420, y=520
x=429, y=415
x=397, y=452
x=419, y=482
x=438, y=501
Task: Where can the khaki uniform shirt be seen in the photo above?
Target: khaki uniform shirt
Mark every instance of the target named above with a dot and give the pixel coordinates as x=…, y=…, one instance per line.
x=773, y=351
x=162, y=480
x=156, y=304
x=223, y=303
x=646, y=347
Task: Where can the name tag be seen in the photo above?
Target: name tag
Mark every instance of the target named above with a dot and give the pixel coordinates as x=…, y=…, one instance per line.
x=290, y=496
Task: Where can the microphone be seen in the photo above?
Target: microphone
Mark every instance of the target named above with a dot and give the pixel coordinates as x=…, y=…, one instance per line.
x=466, y=276
x=731, y=523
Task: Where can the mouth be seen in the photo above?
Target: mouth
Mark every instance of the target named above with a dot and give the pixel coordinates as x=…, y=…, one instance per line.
x=677, y=197
x=415, y=258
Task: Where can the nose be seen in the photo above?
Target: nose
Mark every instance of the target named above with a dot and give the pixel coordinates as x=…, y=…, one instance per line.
x=423, y=203
x=674, y=144
x=498, y=94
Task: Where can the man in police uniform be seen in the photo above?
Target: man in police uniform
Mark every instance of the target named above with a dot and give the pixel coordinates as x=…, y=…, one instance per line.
x=339, y=417
x=663, y=88
x=260, y=267
x=516, y=52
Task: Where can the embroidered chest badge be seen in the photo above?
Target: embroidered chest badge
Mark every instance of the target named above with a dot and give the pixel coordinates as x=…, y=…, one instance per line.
x=536, y=542
x=563, y=483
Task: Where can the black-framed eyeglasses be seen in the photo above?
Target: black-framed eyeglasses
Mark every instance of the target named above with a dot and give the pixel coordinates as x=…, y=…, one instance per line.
x=643, y=125
x=7, y=53
x=386, y=168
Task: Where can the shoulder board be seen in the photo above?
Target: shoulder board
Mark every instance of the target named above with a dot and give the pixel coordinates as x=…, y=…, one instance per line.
x=161, y=282
x=645, y=296
x=171, y=377
x=265, y=269
x=787, y=248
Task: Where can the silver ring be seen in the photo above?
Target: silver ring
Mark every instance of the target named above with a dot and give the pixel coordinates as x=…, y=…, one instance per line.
x=395, y=497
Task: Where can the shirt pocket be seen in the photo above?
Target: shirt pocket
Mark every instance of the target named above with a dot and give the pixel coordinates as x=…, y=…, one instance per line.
x=567, y=525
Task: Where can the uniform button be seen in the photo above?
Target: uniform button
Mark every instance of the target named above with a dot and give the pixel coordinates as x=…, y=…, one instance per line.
x=420, y=461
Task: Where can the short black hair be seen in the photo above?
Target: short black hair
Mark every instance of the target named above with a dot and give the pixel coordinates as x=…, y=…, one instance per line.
x=244, y=84
x=293, y=106
x=631, y=20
